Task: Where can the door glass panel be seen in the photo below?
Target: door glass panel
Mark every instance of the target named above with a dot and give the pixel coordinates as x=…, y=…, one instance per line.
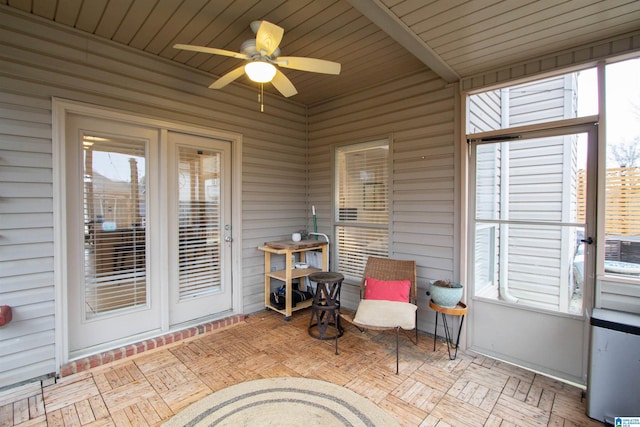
x=622, y=219
x=115, y=269
x=199, y=222
x=530, y=222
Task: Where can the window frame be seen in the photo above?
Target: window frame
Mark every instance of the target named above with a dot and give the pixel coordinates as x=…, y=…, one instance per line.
x=610, y=291
x=587, y=124
x=338, y=215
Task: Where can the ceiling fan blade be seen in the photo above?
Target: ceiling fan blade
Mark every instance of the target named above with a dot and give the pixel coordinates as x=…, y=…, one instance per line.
x=268, y=37
x=227, y=78
x=283, y=85
x=211, y=50
x=309, y=64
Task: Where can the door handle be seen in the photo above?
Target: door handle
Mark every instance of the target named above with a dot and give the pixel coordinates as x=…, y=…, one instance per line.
x=588, y=240
x=228, y=239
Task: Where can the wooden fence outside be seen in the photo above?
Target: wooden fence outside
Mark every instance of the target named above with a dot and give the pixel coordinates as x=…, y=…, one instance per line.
x=622, y=214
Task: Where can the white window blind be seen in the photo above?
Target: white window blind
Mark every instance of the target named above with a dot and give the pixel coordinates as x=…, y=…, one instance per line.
x=115, y=238
x=362, y=205
x=199, y=222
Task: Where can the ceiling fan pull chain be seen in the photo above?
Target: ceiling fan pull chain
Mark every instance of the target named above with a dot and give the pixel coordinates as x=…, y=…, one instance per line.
x=261, y=97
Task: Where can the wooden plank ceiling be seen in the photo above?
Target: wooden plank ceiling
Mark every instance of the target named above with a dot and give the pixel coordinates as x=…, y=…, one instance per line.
x=374, y=40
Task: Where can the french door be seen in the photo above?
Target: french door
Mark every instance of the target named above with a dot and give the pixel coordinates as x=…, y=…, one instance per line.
x=532, y=238
x=147, y=214
x=200, y=231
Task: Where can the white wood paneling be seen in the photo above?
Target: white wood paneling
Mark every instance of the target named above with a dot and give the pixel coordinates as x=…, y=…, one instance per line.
x=484, y=112
x=582, y=56
x=40, y=61
x=618, y=295
x=520, y=340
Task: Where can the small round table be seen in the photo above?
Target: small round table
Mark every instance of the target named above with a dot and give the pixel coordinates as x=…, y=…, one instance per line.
x=325, y=305
x=458, y=310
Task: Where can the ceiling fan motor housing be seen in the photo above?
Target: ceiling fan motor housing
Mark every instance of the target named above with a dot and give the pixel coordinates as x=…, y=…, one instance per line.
x=248, y=47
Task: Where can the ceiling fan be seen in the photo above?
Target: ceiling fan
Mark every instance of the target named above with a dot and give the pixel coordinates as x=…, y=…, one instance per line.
x=263, y=54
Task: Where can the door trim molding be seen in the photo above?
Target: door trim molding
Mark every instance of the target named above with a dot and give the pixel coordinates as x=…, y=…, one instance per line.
x=60, y=109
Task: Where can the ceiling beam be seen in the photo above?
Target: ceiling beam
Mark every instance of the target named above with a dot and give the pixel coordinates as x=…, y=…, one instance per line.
x=388, y=22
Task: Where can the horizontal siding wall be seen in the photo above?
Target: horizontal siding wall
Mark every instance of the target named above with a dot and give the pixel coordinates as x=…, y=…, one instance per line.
x=417, y=112
x=38, y=61
x=26, y=238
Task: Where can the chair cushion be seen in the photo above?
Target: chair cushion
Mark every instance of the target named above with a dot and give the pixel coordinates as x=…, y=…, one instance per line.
x=386, y=314
x=390, y=290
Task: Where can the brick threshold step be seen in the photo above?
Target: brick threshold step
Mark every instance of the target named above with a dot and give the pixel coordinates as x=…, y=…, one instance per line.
x=94, y=360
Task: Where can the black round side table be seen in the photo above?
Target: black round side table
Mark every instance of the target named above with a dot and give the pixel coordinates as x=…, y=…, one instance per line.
x=325, y=306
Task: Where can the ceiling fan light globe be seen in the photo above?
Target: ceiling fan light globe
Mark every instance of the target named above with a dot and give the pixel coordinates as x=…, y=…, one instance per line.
x=260, y=71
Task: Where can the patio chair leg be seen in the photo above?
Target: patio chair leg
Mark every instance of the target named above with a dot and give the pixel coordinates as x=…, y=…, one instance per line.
x=397, y=350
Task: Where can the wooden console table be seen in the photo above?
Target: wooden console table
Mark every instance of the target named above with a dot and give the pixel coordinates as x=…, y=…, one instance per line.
x=288, y=248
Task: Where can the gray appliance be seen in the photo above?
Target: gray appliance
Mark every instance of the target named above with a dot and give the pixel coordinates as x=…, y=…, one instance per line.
x=613, y=384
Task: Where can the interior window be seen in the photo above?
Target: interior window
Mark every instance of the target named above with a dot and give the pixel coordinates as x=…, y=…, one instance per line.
x=361, y=205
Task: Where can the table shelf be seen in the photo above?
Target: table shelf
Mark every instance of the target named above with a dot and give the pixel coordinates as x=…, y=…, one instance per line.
x=296, y=273
x=299, y=306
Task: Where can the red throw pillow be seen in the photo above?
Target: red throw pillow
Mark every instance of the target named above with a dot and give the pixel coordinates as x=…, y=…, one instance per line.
x=390, y=290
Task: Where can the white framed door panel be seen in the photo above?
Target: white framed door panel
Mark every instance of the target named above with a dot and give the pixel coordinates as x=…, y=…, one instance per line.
x=200, y=238
x=532, y=275
x=103, y=306
x=552, y=344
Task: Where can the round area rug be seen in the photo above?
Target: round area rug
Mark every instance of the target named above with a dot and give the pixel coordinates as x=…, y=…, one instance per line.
x=283, y=402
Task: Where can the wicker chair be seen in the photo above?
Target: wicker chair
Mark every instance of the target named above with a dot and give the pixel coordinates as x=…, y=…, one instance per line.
x=382, y=314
